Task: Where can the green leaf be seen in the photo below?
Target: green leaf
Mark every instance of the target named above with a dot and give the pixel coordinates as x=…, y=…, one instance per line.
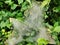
x=44, y=3
x=8, y=24
x=56, y=24
x=19, y=14
x=28, y=1
x=49, y=26
x=0, y=17
x=29, y=44
x=57, y=29
x=2, y=24
x=9, y=2
x=24, y=6
x=46, y=16
x=20, y=1
x=13, y=6
x=56, y=9
x=1, y=3
x=42, y=41
x=13, y=14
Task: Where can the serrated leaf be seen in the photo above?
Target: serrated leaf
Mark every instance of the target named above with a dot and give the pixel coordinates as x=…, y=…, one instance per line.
x=20, y=1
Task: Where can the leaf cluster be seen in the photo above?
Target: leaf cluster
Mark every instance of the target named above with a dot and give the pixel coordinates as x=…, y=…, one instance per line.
x=10, y=9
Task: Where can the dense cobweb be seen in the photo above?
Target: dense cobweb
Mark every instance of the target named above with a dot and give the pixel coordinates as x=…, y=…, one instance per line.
x=35, y=20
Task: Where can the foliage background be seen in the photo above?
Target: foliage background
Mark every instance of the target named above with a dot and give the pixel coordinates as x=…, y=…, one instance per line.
x=16, y=8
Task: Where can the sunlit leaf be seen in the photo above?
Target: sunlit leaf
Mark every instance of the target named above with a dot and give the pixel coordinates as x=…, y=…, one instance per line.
x=56, y=24
x=29, y=1
x=56, y=9
x=42, y=41
x=44, y=3
x=13, y=6
x=24, y=6
x=57, y=29
x=20, y=1
x=9, y=2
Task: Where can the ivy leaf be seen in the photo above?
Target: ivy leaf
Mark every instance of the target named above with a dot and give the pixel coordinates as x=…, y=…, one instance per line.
x=13, y=6
x=20, y=1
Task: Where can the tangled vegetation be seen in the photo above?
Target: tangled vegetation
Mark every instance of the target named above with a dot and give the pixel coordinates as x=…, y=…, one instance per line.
x=16, y=8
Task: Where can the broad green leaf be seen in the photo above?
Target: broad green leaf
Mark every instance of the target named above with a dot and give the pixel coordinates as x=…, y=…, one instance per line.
x=28, y=1
x=49, y=26
x=13, y=6
x=0, y=34
x=20, y=1
x=57, y=29
x=42, y=41
x=24, y=6
x=1, y=3
x=56, y=9
x=9, y=2
x=44, y=3
x=56, y=24
x=0, y=17
x=2, y=24
x=8, y=24
x=19, y=14
x=13, y=14
x=29, y=44
x=30, y=39
x=46, y=16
